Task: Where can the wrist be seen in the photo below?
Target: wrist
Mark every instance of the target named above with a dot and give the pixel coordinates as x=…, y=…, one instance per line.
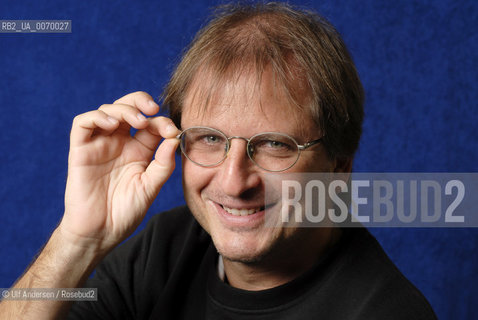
x=72, y=258
x=77, y=245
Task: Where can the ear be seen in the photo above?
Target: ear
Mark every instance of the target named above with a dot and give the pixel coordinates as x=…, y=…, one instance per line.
x=343, y=165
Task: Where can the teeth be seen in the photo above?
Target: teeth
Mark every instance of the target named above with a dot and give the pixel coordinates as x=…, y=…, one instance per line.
x=241, y=212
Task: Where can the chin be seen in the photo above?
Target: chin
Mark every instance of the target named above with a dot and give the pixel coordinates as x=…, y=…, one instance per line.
x=243, y=249
x=242, y=257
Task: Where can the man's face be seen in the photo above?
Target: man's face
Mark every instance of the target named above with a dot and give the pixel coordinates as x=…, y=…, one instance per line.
x=214, y=194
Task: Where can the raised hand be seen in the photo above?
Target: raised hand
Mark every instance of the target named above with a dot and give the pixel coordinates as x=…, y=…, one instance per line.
x=112, y=177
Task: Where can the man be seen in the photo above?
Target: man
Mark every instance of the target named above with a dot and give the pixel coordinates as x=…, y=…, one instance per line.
x=262, y=88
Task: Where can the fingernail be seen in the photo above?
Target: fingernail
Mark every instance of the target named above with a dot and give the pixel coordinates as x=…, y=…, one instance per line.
x=141, y=117
x=171, y=129
x=153, y=104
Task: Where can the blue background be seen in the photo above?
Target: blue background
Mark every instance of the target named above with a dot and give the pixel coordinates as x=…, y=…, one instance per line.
x=417, y=59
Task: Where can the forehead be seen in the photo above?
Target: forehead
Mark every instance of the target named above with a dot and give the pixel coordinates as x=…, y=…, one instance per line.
x=247, y=101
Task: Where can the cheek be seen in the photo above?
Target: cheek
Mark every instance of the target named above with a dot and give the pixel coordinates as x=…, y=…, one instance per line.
x=195, y=180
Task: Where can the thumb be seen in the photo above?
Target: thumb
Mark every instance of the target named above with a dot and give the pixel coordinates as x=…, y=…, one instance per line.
x=161, y=168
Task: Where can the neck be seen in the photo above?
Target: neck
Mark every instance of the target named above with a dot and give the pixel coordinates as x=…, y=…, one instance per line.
x=281, y=266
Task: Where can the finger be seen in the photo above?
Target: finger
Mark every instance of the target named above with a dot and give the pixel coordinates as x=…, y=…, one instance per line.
x=126, y=114
x=164, y=126
x=140, y=100
x=159, y=127
x=84, y=125
x=161, y=168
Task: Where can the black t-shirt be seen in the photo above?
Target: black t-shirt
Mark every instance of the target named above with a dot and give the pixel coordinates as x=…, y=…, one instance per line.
x=169, y=271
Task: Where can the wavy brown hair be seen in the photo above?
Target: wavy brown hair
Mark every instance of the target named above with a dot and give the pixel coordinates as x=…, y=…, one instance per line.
x=304, y=51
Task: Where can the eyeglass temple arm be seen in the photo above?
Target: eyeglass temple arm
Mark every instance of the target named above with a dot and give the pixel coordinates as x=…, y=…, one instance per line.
x=309, y=144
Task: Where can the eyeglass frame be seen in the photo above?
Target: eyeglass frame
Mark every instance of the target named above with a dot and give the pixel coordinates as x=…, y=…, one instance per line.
x=300, y=147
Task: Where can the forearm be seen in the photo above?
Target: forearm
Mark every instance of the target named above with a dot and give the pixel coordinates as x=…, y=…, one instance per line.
x=61, y=264
x=112, y=180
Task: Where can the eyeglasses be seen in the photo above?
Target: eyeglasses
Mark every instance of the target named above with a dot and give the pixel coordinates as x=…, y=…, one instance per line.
x=271, y=151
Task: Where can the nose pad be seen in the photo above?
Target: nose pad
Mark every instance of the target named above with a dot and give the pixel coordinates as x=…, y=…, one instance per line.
x=229, y=145
x=250, y=151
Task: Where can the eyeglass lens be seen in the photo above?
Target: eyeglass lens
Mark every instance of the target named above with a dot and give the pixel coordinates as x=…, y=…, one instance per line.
x=209, y=147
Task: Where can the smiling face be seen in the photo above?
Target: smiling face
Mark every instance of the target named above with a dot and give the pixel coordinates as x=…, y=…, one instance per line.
x=228, y=200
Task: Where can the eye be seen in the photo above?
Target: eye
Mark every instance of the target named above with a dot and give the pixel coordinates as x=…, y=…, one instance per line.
x=274, y=144
x=211, y=139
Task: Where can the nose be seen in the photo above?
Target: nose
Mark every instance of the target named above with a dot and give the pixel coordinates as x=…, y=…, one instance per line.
x=238, y=175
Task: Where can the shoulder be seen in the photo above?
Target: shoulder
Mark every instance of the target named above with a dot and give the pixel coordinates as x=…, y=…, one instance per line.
x=383, y=291
x=175, y=223
x=165, y=235
x=172, y=220
x=132, y=276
